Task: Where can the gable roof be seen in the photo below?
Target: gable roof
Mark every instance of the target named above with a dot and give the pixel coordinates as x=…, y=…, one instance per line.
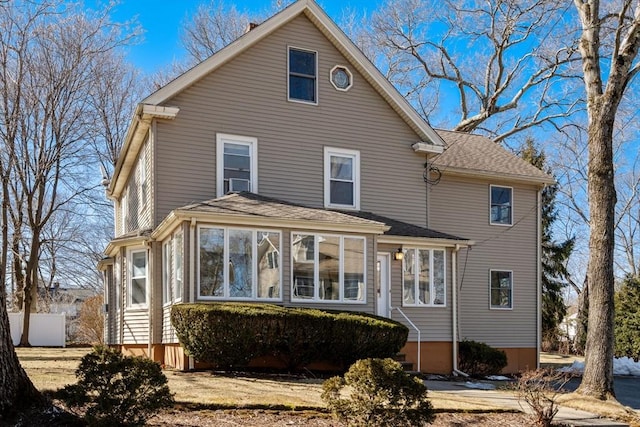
x=336, y=36
x=476, y=155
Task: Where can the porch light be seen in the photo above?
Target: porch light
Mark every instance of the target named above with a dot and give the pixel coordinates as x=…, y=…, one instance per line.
x=399, y=255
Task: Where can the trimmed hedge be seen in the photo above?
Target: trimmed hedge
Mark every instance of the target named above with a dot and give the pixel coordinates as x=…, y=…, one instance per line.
x=232, y=334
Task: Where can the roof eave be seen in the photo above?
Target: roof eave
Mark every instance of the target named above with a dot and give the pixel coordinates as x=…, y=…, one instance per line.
x=424, y=241
x=477, y=173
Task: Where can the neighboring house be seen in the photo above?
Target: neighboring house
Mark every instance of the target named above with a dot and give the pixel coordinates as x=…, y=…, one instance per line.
x=67, y=300
x=286, y=169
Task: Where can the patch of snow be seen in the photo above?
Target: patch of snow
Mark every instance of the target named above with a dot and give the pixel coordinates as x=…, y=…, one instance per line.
x=498, y=378
x=621, y=366
x=479, y=386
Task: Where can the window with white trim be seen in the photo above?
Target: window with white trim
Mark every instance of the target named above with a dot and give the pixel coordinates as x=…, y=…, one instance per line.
x=341, y=178
x=124, y=209
x=237, y=163
x=167, y=271
x=501, y=205
x=501, y=289
x=137, y=283
x=328, y=268
x=178, y=261
x=239, y=264
x=303, y=81
x=424, y=277
x=142, y=177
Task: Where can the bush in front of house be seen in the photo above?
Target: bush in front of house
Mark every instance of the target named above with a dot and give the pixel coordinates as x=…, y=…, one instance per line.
x=114, y=389
x=229, y=335
x=479, y=359
x=378, y=392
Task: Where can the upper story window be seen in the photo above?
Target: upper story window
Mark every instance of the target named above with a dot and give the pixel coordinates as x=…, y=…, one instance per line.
x=501, y=289
x=237, y=164
x=501, y=205
x=239, y=264
x=137, y=283
x=303, y=72
x=142, y=177
x=423, y=278
x=341, y=178
x=328, y=268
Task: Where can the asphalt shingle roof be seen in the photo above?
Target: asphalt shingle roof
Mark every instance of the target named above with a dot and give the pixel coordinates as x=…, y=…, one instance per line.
x=399, y=228
x=479, y=154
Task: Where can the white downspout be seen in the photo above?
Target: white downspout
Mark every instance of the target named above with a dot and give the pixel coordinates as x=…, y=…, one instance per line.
x=192, y=274
x=454, y=283
x=539, y=278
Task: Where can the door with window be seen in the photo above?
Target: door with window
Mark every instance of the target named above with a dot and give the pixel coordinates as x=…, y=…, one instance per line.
x=383, y=301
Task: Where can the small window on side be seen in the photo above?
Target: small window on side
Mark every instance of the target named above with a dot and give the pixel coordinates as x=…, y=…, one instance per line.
x=501, y=289
x=303, y=75
x=501, y=205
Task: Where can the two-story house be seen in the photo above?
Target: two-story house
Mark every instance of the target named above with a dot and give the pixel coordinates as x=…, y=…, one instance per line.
x=286, y=169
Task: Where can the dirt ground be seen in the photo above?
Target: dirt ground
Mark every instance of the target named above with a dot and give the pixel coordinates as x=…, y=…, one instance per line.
x=255, y=418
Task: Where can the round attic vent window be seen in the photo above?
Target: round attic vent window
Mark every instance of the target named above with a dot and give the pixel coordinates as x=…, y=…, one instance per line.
x=341, y=78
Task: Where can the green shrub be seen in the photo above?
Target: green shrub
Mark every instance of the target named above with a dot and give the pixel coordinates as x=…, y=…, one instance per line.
x=114, y=389
x=379, y=393
x=479, y=359
x=627, y=319
x=231, y=334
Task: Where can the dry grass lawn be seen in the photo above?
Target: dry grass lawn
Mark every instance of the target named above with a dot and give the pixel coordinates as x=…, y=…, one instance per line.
x=53, y=368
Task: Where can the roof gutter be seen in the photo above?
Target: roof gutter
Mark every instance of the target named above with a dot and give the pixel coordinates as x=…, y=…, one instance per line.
x=425, y=241
x=450, y=170
x=138, y=129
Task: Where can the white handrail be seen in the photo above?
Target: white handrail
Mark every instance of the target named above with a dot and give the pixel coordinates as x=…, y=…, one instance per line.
x=414, y=327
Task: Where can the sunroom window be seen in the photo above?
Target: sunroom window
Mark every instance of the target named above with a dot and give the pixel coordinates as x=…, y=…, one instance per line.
x=423, y=279
x=239, y=263
x=328, y=268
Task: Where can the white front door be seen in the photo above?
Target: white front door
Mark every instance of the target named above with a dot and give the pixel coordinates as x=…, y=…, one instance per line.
x=382, y=285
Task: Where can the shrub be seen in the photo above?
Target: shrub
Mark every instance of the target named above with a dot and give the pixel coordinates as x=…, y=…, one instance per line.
x=380, y=393
x=114, y=389
x=479, y=359
x=231, y=334
x=540, y=389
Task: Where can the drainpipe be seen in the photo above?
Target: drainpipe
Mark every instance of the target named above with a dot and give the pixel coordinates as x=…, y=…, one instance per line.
x=150, y=257
x=192, y=274
x=539, y=277
x=454, y=282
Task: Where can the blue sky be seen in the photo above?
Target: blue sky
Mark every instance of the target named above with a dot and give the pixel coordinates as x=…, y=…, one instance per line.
x=162, y=19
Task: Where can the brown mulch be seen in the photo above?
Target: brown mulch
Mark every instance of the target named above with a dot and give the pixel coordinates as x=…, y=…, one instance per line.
x=255, y=418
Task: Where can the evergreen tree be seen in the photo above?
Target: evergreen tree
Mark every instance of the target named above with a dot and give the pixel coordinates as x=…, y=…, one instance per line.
x=627, y=319
x=554, y=255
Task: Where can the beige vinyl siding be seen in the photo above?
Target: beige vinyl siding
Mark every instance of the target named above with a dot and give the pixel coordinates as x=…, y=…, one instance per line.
x=248, y=97
x=136, y=327
x=461, y=207
x=168, y=332
x=435, y=323
x=139, y=208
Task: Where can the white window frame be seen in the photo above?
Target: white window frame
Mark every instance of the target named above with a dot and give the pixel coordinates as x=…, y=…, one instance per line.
x=168, y=272
x=130, y=278
x=498, y=307
x=178, y=282
x=302, y=101
x=252, y=143
x=124, y=209
x=416, y=277
x=316, y=270
x=491, y=187
x=341, y=152
x=254, y=272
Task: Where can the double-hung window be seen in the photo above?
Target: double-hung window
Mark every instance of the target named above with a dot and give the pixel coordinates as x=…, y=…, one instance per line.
x=137, y=289
x=328, y=268
x=237, y=164
x=501, y=205
x=501, y=289
x=239, y=264
x=423, y=278
x=167, y=271
x=341, y=178
x=303, y=72
x=177, y=262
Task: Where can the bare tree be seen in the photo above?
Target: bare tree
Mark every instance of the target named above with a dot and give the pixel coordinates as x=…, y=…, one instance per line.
x=500, y=61
x=614, y=29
